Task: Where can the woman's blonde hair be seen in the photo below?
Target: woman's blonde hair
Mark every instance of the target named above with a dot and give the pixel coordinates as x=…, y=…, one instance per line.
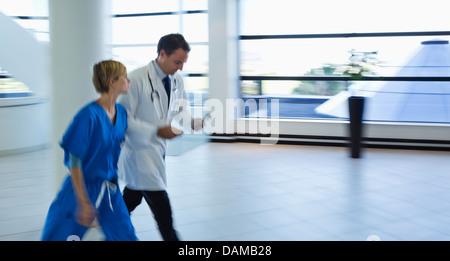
x=104, y=71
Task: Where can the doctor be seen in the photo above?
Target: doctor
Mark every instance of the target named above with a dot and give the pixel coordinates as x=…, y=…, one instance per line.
x=155, y=93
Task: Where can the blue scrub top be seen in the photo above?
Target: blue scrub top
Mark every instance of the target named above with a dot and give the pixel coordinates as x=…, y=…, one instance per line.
x=95, y=141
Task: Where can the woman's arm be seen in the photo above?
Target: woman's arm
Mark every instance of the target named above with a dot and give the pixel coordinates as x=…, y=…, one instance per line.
x=86, y=211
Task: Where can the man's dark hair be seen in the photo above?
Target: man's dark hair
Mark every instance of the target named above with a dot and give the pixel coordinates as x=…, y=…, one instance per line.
x=171, y=42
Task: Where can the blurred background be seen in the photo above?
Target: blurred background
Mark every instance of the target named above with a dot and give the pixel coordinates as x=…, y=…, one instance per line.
x=308, y=56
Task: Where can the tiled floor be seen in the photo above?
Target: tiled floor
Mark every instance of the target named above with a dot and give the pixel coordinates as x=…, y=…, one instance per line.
x=242, y=191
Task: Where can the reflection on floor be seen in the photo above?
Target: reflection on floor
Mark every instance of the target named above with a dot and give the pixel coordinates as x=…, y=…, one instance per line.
x=241, y=191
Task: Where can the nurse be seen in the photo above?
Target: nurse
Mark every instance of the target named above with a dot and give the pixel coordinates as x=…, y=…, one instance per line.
x=92, y=143
x=156, y=92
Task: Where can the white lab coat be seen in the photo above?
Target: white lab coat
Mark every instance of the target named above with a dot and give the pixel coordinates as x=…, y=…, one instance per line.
x=141, y=164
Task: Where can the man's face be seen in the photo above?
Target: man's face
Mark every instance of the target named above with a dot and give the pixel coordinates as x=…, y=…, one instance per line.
x=174, y=62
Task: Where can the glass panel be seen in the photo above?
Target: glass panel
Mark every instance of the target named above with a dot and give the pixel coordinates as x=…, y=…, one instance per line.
x=32, y=9
x=40, y=28
x=197, y=89
x=24, y=7
x=330, y=16
x=324, y=56
x=143, y=6
x=199, y=84
x=300, y=107
x=195, y=27
x=292, y=88
x=198, y=60
x=195, y=5
x=134, y=57
x=397, y=101
x=136, y=48
x=10, y=87
x=140, y=30
x=393, y=101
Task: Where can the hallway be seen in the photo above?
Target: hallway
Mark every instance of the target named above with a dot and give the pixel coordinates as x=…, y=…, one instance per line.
x=250, y=192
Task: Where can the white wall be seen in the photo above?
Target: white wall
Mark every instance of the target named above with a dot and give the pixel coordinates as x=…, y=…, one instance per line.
x=24, y=122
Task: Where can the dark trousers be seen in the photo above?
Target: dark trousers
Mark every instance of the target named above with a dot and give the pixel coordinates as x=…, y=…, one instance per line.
x=159, y=203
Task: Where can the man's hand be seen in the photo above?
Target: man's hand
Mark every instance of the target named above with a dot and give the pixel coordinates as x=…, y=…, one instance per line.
x=197, y=124
x=169, y=132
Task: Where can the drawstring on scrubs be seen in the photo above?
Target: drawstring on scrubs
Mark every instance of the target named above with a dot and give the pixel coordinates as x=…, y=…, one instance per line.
x=106, y=185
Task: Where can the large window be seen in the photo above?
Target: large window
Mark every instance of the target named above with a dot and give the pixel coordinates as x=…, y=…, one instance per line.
x=33, y=16
x=304, y=52
x=137, y=26
x=30, y=14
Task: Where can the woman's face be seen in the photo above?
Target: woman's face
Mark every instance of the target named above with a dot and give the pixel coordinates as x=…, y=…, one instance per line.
x=121, y=84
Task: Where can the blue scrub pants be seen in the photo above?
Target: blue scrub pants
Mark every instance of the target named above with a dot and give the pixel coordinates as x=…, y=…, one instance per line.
x=61, y=224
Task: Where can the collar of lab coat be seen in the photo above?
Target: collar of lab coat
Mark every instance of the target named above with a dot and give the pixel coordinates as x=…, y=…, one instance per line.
x=159, y=72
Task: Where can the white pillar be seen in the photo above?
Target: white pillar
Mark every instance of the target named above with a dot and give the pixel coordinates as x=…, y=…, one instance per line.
x=78, y=39
x=223, y=55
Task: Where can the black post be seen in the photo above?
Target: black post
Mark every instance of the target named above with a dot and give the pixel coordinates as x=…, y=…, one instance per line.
x=356, y=109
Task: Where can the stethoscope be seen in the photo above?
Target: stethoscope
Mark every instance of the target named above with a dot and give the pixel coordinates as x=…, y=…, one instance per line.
x=156, y=98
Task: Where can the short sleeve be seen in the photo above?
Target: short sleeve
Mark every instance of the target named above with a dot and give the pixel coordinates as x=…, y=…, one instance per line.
x=74, y=161
x=77, y=136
